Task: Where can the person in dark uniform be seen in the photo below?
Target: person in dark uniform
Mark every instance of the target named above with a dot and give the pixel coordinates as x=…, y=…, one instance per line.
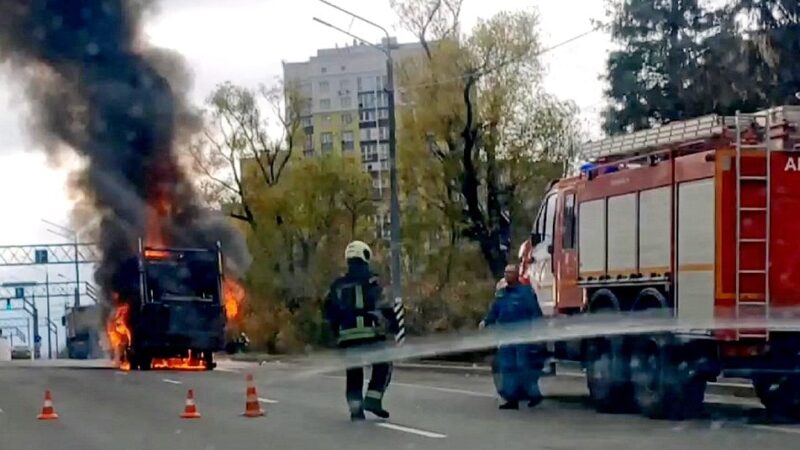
x=359, y=316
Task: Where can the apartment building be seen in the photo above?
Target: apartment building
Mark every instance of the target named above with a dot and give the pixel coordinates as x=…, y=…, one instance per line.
x=346, y=105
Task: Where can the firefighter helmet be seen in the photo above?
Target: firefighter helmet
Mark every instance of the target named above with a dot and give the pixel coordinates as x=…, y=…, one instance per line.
x=358, y=250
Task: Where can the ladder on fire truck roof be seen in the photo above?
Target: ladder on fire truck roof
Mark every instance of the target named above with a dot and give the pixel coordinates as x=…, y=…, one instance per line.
x=676, y=133
x=754, y=304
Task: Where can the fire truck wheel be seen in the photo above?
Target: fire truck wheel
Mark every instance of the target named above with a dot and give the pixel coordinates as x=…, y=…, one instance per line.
x=665, y=380
x=609, y=387
x=779, y=394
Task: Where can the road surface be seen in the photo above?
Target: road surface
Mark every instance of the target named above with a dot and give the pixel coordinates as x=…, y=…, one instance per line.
x=101, y=408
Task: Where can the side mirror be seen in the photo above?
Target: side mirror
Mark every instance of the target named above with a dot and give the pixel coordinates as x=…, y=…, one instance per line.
x=63, y=321
x=550, y=249
x=536, y=238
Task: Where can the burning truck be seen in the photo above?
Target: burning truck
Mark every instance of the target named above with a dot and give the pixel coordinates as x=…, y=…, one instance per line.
x=175, y=311
x=100, y=94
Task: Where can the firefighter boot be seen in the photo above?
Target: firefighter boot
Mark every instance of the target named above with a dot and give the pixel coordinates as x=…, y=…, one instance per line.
x=374, y=406
x=356, y=411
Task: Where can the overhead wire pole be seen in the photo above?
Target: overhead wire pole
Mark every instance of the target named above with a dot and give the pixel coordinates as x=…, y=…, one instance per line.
x=74, y=235
x=394, y=201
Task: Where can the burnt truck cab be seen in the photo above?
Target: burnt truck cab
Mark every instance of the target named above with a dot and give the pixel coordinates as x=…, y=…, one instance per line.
x=177, y=309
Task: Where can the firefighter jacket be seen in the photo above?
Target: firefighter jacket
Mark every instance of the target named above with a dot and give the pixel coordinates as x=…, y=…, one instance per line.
x=356, y=309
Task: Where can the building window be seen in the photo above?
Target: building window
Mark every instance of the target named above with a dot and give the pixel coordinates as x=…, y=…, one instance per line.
x=383, y=99
x=346, y=102
x=366, y=100
x=305, y=122
x=325, y=103
x=383, y=113
x=369, y=134
x=347, y=140
x=345, y=85
x=327, y=119
x=309, y=143
x=359, y=83
x=327, y=141
x=383, y=151
x=324, y=87
x=344, y=68
x=324, y=70
x=369, y=152
x=347, y=118
x=366, y=115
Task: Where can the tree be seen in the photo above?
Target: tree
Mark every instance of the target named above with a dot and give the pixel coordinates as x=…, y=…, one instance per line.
x=237, y=129
x=653, y=77
x=480, y=92
x=679, y=60
x=306, y=221
x=298, y=213
x=772, y=27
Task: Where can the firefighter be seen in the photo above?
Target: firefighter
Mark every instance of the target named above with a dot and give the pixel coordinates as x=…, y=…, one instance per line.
x=359, y=316
x=516, y=368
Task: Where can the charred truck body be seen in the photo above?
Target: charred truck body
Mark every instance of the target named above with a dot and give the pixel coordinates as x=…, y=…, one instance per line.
x=175, y=306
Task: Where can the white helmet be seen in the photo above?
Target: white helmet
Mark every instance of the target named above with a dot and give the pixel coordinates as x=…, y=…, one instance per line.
x=359, y=250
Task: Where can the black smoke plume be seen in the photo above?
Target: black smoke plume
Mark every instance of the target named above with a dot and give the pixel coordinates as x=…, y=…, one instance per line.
x=97, y=88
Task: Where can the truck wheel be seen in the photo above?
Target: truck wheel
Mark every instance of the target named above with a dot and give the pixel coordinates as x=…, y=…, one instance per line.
x=145, y=362
x=606, y=376
x=208, y=361
x=780, y=394
x=666, y=382
x=133, y=360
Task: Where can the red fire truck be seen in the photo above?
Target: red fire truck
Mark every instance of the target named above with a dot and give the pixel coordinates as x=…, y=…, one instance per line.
x=698, y=219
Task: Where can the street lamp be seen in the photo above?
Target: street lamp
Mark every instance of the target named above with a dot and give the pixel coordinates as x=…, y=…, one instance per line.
x=71, y=234
x=394, y=202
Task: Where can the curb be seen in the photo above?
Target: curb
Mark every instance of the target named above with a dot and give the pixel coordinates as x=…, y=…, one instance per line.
x=569, y=370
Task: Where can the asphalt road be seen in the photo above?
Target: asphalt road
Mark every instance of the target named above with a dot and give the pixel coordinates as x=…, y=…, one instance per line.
x=102, y=408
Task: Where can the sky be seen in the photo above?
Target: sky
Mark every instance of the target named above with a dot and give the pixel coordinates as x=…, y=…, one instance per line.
x=244, y=41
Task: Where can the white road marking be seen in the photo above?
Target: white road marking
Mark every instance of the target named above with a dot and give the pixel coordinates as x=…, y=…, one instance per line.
x=119, y=372
x=416, y=431
x=1, y=411
x=267, y=400
x=225, y=369
x=167, y=380
x=778, y=429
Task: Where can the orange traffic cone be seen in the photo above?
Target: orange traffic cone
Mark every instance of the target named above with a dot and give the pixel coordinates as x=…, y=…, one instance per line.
x=48, y=412
x=252, y=407
x=190, y=410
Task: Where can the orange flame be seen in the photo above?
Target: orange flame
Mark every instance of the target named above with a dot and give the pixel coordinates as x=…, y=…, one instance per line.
x=188, y=363
x=155, y=254
x=233, y=297
x=119, y=335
